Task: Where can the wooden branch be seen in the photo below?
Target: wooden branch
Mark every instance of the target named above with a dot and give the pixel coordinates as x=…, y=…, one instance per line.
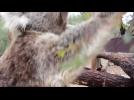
x=102, y=79
x=124, y=60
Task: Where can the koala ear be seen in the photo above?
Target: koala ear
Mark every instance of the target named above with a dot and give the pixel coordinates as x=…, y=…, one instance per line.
x=62, y=18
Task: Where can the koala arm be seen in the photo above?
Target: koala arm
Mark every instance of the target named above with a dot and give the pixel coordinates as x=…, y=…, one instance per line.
x=98, y=29
x=90, y=36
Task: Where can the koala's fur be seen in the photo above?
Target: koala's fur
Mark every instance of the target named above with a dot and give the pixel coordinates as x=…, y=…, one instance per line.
x=32, y=60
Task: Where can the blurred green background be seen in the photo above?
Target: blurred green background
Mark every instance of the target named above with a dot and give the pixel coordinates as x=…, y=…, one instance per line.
x=3, y=38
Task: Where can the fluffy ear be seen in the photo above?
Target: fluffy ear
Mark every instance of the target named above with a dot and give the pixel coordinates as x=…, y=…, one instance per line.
x=14, y=21
x=62, y=18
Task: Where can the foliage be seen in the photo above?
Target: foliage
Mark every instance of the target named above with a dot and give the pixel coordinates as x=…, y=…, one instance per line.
x=3, y=38
x=73, y=20
x=129, y=30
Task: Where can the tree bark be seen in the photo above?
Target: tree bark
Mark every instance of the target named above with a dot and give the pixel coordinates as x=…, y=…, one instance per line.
x=124, y=60
x=102, y=79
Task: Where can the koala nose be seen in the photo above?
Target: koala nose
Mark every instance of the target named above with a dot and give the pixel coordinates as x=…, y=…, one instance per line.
x=29, y=25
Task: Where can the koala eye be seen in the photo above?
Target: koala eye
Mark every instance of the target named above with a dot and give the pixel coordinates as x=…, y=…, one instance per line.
x=28, y=27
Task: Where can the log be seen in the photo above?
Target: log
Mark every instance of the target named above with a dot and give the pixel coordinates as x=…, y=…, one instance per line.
x=92, y=78
x=124, y=60
x=120, y=54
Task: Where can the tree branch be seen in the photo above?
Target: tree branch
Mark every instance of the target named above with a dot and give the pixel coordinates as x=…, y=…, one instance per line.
x=125, y=61
x=102, y=79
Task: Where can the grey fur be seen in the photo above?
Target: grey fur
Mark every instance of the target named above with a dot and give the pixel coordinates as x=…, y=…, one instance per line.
x=32, y=59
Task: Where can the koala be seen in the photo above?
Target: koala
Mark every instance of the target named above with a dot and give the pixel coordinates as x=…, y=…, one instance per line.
x=35, y=59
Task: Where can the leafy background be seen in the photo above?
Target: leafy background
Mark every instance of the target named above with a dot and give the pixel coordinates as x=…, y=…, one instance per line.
x=3, y=38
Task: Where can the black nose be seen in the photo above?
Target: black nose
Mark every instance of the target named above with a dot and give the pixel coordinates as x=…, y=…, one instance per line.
x=122, y=30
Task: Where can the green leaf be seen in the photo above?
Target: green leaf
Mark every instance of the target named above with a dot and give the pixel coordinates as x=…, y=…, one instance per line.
x=61, y=53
